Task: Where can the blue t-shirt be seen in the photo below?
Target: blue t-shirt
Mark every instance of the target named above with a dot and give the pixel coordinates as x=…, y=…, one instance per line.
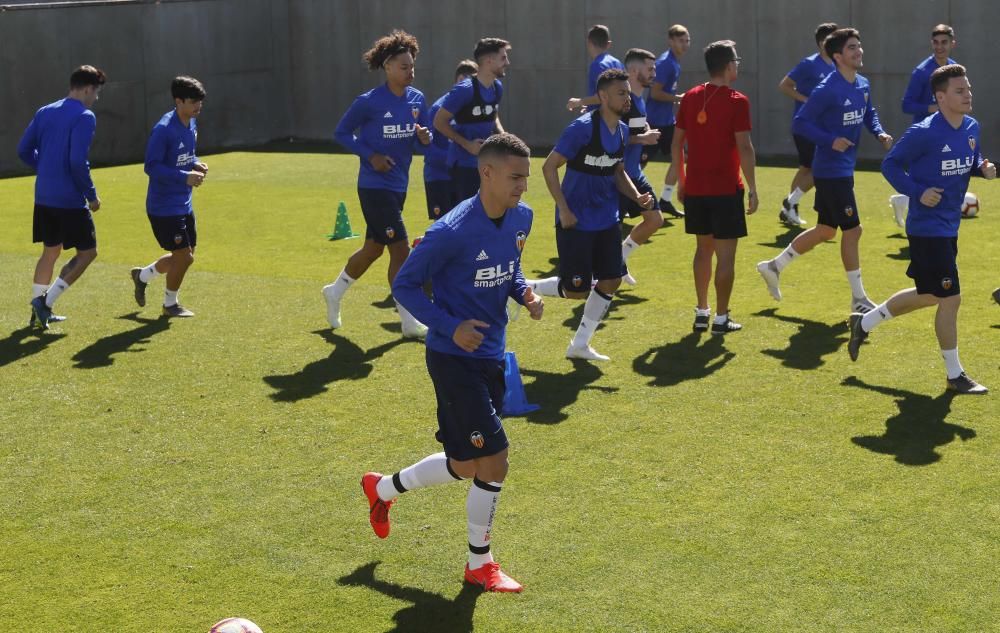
x=170, y=153
x=458, y=97
x=592, y=199
x=919, y=96
x=56, y=144
x=474, y=266
x=602, y=62
x=379, y=122
x=633, y=151
x=668, y=71
x=934, y=154
x=836, y=109
x=807, y=74
x=436, y=154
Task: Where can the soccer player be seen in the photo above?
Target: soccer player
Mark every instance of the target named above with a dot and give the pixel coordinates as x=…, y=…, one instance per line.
x=587, y=208
x=932, y=164
x=662, y=97
x=832, y=118
x=798, y=84
x=55, y=145
x=173, y=169
x=714, y=121
x=473, y=256
x=641, y=68
x=918, y=100
x=470, y=112
x=389, y=120
x=437, y=179
x=598, y=44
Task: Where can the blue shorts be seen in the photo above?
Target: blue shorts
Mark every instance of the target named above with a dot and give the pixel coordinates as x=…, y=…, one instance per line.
x=588, y=255
x=383, y=211
x=174, y=232
x=629, y=206
x=934, y=266
x=71, y=228
x=806, y=150
x=439, y=199
x=469, y=396
x=835, y=203
x=464, y=183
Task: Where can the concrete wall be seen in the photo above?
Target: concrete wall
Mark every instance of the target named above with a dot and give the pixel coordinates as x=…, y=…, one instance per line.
x=280, y=68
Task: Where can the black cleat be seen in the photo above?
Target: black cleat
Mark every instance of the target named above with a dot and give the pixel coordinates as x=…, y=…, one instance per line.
x=963, y=384
x=140, y=287
x=858, y=335
x=701, y=322
x=177, y=310
x=726, y=326
x=668, y=207
x=41, y=312
x=996, y=295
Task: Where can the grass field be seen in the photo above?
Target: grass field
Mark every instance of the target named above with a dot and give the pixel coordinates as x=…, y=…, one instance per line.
x=159, y=476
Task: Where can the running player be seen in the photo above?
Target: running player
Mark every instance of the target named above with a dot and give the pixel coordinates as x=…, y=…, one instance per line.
x=662, y=97
x=437, y=179
x=598, y=44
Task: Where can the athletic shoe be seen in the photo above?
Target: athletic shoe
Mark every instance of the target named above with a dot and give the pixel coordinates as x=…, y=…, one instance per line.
x=378, y=510
x=996, y=295
x=177, y=310
x=55, y=318
x=140, y=287
x=491, y=578
x=858, y=335
x=416, y=330
x=862, y=304
x=585, y=352
x=701, y=322
x=789, y=214
x=726, y=326
x=769, y=271
x=963, y=384
x=668, y=207
x=629, y=279
x=900, y=205
x=41, y=311
x=332, y=307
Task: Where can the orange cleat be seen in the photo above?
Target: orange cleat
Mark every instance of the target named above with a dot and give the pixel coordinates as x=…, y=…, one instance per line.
x=378, y=510
x=490, y=578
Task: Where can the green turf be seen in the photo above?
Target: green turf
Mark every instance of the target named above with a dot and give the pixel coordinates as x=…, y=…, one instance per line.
x=159, y=476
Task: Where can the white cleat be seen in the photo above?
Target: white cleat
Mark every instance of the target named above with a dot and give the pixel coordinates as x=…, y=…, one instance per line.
x=629, y=279
x=770, y=273
x=862, y=305
x=900, y=204
x=416, y=330
x=584, y=352
x=332, y=307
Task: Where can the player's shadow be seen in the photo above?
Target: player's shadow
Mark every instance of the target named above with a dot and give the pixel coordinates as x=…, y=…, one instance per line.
x=388, y=302
x=897, y=236
x=556, y=391
x=346, y=362
x=621, y=300
x=101, y=352
x=426, y=611
x=25, y=342
x=809, y=344
x=903, y=255
x=551, y=271
x=673, y=363
x=782, y=240
x=917, y=430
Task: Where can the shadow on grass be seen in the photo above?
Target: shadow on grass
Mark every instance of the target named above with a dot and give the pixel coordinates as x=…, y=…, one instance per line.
x=673, y=363
x=552, y=270
x=25, y=342
x=427, y=611
x=346, y=362
x=620, y=300
x=903, y=255
x=897, y=236
x=782, y=240
x=807, y=347
x=918, y=428
x=388, y=302
x=555, y=391
x=100, y=353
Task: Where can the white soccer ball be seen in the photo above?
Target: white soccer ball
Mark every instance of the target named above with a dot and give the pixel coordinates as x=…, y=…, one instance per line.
x=971, y=205
x=235, y=625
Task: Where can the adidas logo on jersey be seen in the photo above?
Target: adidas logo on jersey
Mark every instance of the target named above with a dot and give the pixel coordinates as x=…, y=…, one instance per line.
x=847, y=102
x=482, y=256
x=181, y=146
x=387, y=115
x=945, y=148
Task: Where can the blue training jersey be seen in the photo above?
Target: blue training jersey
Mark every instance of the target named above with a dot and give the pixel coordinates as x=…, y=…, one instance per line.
x=56, y=144
x=474, y=266
x=379, y=122
x=668, y=72
x=636, y=122
x=807, y=74
x=932, y=153
x=474, y=109
x=592, y=198
x=436, y=154
x=836, y=109
x=919, y=96
x=604, y=61
x=170, y=154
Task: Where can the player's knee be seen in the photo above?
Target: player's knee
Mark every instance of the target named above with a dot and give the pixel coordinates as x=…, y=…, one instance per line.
x=825, y=232
x=653, y=220
x=609, y=286
x=570, y=294
x=465, y=469
x=87, y=256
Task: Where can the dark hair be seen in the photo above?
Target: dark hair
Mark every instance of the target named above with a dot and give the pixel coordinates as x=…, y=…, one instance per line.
x=940, y=77
x=388, y=46
x=943, y=29
x=187, y=88
x=676, y=31
x=87, y=76
x=638, y=55
x=489, y=45
x=466, y=67
x=609, y=76
x=503, y=145
x=718, y=55
x=835, y=42
x=823, y=30
x=599, y=35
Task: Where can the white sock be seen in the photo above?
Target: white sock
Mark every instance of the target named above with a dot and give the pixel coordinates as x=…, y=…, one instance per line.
x=593, y=311
x=628, y=246
x=876, y=316
x=668, y=193
x=857, y=288
x=706, y=312
x=548, y=287
x=341, y=284
x=148, y=273
x=405, y=316
x=480, y=508
x=951, y=364
x=170, y=298
x=785, y=258
x=54, y=291
x=721, y=318
x=37, y=290
x=795, y=196
x=432, y=470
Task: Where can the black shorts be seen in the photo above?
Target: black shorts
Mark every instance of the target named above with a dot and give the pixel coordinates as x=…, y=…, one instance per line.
x=662, y=145
x=835, y=203
x=383, y=211
x=469, y=398
x=71, y=228
x=438, y=198
x=722, y=217
x=587, y=255
x=806, y=150
x=464, y=183
x=934, y=266
x=174, y=232
x=630, y=207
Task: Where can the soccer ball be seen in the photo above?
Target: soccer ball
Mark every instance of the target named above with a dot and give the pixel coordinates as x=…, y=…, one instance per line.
x=235, y=625
x=971, y=206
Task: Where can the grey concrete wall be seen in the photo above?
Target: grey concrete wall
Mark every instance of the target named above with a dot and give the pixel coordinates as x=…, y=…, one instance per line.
x=280, y=68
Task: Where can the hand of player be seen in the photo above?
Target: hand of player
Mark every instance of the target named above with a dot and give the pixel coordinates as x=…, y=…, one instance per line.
x=533, y=304
x=466, y=335
x=649, y=137
x=573, y=103
x=195, y=178
x=989, y=169
x=645, y=201
x=200, y=167
x=753, y=203
x=841, y=144
x=94, y=205
x=885, y=140
x=473, y=146
x=567, y=219
x=931, y=196
x=423, y=135
x=381, y=162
